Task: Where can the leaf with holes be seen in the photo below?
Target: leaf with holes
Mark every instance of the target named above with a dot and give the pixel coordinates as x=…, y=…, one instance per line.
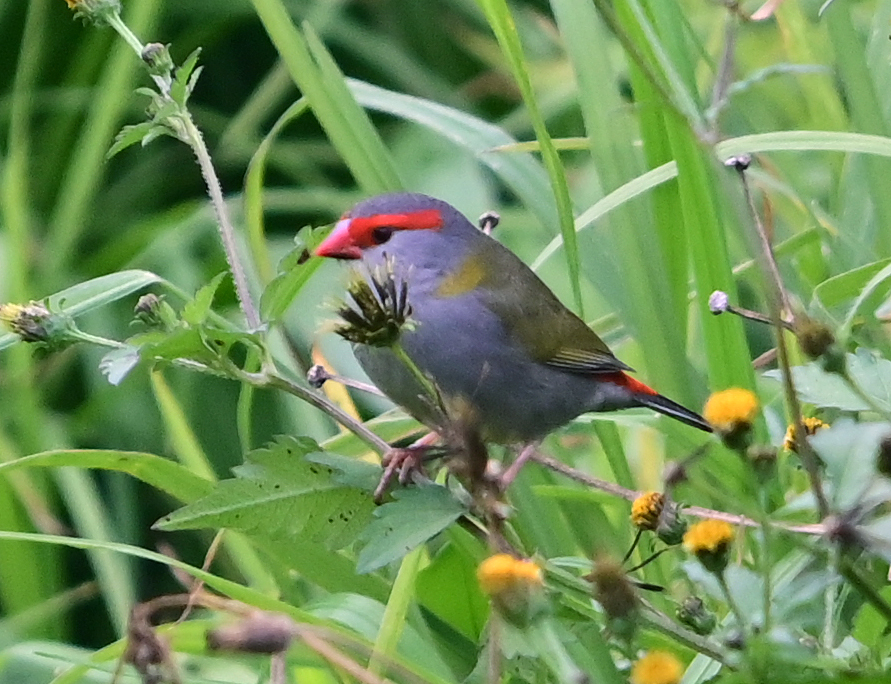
x=415, y=516
x=280, y=493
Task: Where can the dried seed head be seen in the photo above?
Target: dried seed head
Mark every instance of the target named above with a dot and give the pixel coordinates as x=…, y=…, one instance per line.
x=379, y=311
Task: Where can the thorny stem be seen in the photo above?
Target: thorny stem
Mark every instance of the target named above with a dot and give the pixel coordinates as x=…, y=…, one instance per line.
x=196, y=141
x=778, y=300
x=224, y=223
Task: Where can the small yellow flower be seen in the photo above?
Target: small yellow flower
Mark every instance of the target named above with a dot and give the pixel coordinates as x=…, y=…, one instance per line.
x=731, y=413
x=709, y=541
x=646, y=509
x=811, y=427
x=502, y=573
x=515, y=587
x=72, y=3
x=657, y=667
x=730, y=408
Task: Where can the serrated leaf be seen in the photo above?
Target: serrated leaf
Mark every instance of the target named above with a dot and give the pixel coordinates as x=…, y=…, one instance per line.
x=179, y=89
x=281, y=494
x=193, y=79
x=155, y=133
x=871, y=372
x=129, y=135
x=196, y=311
x=417, y=514
x=351, y=472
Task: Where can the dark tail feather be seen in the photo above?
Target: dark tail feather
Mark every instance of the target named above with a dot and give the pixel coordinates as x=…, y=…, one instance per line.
x=670, y=408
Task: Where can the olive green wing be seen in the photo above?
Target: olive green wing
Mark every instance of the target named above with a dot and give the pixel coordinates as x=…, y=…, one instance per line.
x=550, y=332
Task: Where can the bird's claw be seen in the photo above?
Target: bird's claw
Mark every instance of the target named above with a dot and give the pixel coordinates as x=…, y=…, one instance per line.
x=403, y=463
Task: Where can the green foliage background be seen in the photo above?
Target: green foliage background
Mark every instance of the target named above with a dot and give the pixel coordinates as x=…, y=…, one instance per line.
x=632, y=106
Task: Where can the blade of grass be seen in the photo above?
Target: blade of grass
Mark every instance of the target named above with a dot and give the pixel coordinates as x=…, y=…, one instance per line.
x=522, y=173
x=653, y=306
x=28, y=576
x=85, y=170
x=502, y=25
x=343, y=120
x=777, y=141
x=253, y=193
x=866, y=115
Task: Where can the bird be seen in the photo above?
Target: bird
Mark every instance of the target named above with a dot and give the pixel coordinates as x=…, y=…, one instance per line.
x=485, y=329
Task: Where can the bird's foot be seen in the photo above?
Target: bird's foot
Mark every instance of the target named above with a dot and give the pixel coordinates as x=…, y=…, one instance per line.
x=513, y=470
x=405, y=464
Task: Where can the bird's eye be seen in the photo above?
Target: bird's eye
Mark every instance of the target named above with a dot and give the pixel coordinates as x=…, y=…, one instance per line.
x=381, y=235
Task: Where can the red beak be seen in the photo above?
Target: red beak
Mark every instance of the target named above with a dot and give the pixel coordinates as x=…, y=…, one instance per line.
x=340, y=244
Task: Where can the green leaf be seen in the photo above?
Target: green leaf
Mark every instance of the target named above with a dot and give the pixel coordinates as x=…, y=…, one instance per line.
x=281, y=494
x=849, y=451
x=868, y=291
x=449, y=589
x=180, y=88
x=160, y=473
x=130, y=135
x=417, y=514
x=828, y=390
x=294, y=270
x=502, y=24
x=204, y=344
x=842, y=288
x=196, y=311
x=522, y=173
x=100, y=291
x=345, y=123
x=351, y=472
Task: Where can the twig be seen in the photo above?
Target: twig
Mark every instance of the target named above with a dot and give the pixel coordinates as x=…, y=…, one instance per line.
x=778, y=301
x=697, y=511
x=321, y=402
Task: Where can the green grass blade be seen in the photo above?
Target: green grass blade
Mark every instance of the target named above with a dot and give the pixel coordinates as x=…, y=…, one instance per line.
x=522, y=173
x=88, y=164
x=502, y=24
x=343, y=120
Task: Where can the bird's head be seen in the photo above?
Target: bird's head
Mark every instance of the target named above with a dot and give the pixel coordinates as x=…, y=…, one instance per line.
x=376, y=221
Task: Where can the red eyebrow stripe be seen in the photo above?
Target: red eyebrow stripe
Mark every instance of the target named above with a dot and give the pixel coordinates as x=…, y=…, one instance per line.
x=416, y=220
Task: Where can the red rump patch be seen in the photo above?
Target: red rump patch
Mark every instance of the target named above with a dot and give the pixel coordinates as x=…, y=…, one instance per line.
x=426, y=219
x=623, y=380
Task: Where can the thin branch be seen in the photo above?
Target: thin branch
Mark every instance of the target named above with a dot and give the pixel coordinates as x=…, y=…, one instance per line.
x=697, y=511
x=778, y=300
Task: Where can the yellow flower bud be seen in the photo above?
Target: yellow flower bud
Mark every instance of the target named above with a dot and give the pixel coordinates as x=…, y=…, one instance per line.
x=513, y=584
x=709, y=541
x=811, y=427
x=657, y=667
x=646, y=509
x=731, y=413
